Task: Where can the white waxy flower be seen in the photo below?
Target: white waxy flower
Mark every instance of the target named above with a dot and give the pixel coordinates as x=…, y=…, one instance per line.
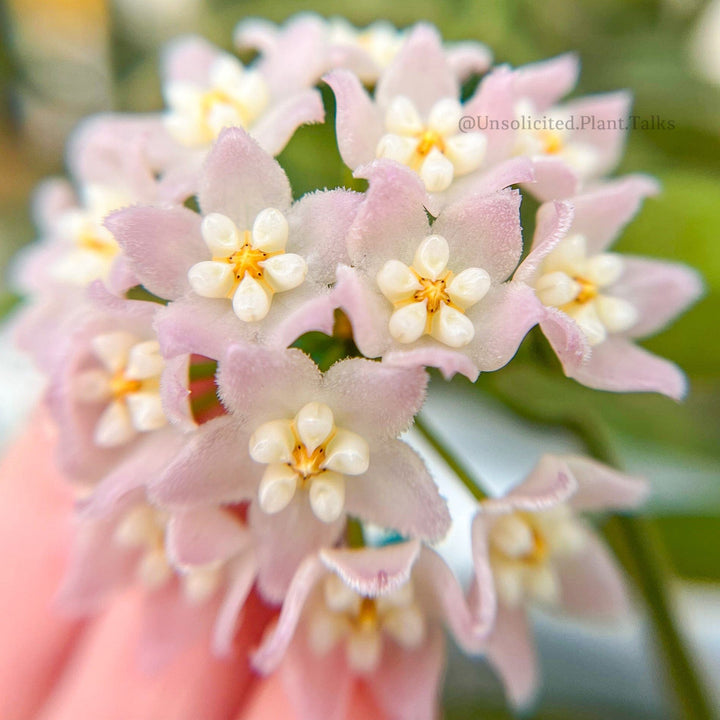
x=220, y=234
x=277, y=488
x=347, y=453
x=576, y=283
x=251, y=302
x=407, y=324
x=362, y=622
x=314, y=424
x=429, y=298
x=270, y=231
x=130, y=381
x=432, y=256
x=247, y=267
x=285, y=272
x=201, y=582
x=232, y=97
x=309, y=453
x=327, y=496
x=524, y=548
x=397, y=281
x=272, y=442
x=434, y=148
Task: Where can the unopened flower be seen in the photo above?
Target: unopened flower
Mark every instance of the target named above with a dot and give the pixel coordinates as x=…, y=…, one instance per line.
x=373, y=614
x=539, y=552
x=421, y=294
x=305, y=450
x=598, y=302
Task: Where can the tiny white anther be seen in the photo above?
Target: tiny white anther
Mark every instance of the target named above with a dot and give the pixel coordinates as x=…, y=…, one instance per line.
x=452, y=328
x=347, y=453
x=114, y=426
x=402, y=117
x=327, y=496
x=270, y=231
x=512, y=536
x=396, y=147
x=146, y=411
x=220, y=235
x=616, y=314
x=272, y=442
x=363, y=651
x=466, y=151
x=314, y=423
x=556, y=289
x=144, y=361
x=406, y=625
x=211, y=279
x=469, y=287
x=277, y=488
x=407, y=323
x=112, y=349
x=431, y=256
x=285, y=272
x=445, y=116
x=251, y=302
x=396, y=281
x=437, y=171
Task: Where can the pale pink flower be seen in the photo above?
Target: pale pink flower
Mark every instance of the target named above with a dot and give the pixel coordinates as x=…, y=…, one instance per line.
x=414, y=118
x=375, y=615
x=335, y=43
x=597, y=302
x=540, y=552
x=421, y=294
x=571, y=144
x=253, y=263
x=305, y=449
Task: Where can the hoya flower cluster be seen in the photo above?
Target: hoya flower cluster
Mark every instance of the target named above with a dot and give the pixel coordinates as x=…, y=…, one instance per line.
x=169, y=295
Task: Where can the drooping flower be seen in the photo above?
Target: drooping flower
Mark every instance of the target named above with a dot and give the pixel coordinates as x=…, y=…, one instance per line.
x=207, y=90
x=253, y=263
x=414, y=118
x=421, y=294
x=305, y=450
x=570, y=145
x=335, y=43
x=373, y=616
x=540, y=553
x=597, y=302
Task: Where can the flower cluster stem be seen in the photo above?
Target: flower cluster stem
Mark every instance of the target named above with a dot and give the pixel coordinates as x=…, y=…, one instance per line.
x=456, y=465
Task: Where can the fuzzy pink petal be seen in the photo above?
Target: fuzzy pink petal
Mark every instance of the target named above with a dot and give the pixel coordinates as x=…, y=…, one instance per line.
x=374, y=399
x=275, y=128
x=619, y=365
x=549, y=484
x=609, y=113
x=441, y=595
x=566, y=338
x=137, y=470
x=407, y=683
x=484, y=182
x=366, y=309
x=591, y=583
x=242, y=574
x=601, y=487
x=468, y=58
x=502, y=319
x=544, y=83
x=104, y=679
x=276, y=642
x=200, y=536
x=319, y=224
x=601, y=214
x=373, y=571
x=175, y=392
x=284, y=540
x=358, y=122
x=483, y=232
x=50, y=200
x=240, y=179
x=398, y=493
x=317, y=686
x=188, y=59
x=214, y=467
x=494, y=102
x=554, y=219
x=392, y=220
x=420, y=72
x=259, y=384
x=256, y=34
x=35, y=532
x=448, y=361
x=197, y=325
x=161, y=245
x=512, y=653
x=658, y=290
x=554, y=179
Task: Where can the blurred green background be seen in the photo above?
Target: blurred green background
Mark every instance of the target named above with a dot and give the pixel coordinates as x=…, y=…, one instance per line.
x=62, y=59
